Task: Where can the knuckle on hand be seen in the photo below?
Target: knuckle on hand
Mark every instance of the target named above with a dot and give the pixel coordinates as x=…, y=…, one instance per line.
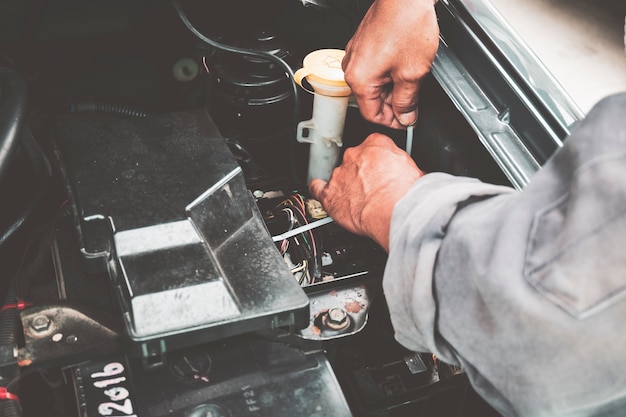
x=348, y=156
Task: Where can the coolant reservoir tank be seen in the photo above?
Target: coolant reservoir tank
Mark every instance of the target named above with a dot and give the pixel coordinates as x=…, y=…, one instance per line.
x=324, y=131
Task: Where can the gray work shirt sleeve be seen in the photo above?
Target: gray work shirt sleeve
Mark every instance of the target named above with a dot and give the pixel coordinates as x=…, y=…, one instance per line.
x=525, y=290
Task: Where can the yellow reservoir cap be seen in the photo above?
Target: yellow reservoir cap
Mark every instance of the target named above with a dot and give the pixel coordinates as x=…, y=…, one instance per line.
x=322, y=69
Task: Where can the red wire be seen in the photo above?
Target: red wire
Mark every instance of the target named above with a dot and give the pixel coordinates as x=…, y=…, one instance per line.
x=20, y=305
x=297, y=202
x=6, y=395
x=310, y=231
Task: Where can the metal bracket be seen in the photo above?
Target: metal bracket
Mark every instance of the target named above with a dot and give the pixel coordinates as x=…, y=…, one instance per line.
x=65, y=335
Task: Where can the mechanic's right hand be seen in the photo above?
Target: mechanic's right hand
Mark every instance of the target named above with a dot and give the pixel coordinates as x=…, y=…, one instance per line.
x=363, y=190
x=391, y=51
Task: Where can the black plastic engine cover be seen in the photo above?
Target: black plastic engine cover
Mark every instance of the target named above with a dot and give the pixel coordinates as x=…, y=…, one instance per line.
x=162, y=206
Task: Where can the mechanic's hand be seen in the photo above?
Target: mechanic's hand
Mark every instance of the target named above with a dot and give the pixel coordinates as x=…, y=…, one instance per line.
x=391, y=51
x=364, y=189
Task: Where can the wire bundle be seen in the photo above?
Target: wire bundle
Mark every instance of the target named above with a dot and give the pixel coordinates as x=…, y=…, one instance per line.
x=302, y=246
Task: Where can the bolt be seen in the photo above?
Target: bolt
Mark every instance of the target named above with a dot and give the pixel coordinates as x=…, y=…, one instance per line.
x=40, y=323
x=337, y=318
x=71, y=339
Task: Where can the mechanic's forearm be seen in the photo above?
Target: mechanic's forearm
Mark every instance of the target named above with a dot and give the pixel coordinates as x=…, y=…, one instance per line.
x=513, y=284
x=418, y=229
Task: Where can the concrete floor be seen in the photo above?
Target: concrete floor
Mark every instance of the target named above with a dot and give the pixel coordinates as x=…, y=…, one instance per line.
x=580, y=41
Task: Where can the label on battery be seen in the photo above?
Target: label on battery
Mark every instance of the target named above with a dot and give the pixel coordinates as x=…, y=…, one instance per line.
x=103, y=388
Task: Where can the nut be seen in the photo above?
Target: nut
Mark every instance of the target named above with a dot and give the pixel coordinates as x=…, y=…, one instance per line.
x=337, y=318
x=40, y=323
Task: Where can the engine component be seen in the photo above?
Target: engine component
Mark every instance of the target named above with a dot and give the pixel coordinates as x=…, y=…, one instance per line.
x=62, y=334
x=250, y=97
x=338, y=312
x=236, y=377
x=163, y=207
x=185, y=69
x=315, y=210
x=324, y=131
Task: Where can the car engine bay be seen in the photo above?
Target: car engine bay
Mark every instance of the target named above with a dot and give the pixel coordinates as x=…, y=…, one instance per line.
x=161, y=254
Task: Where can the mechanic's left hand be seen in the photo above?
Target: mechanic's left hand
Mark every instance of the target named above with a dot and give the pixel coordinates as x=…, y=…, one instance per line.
x=364, y=189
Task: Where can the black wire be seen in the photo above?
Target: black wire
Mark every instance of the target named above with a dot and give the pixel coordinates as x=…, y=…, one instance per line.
x=244, y=51
x=330, y=5
x=40, y=163
x=12, y=118
x=26, y=272
x=35, y=154
x=21, y=219
x=12, y=114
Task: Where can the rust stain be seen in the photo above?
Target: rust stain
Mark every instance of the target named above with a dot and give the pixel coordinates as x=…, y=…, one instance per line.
x=316, y=330
x=353, y=307
x=24, y=362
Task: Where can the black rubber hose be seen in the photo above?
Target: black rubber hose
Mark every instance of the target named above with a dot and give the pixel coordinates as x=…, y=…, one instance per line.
x=12, y=114
x=10, y=408
x=9, y=328
x=13, y=98
x=8, y=318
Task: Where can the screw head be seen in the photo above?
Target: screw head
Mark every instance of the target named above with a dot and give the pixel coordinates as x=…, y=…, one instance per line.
x=40, y=323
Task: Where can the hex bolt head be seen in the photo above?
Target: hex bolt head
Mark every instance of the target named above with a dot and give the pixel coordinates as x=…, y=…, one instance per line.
x=40, y=323
x=337, y=318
